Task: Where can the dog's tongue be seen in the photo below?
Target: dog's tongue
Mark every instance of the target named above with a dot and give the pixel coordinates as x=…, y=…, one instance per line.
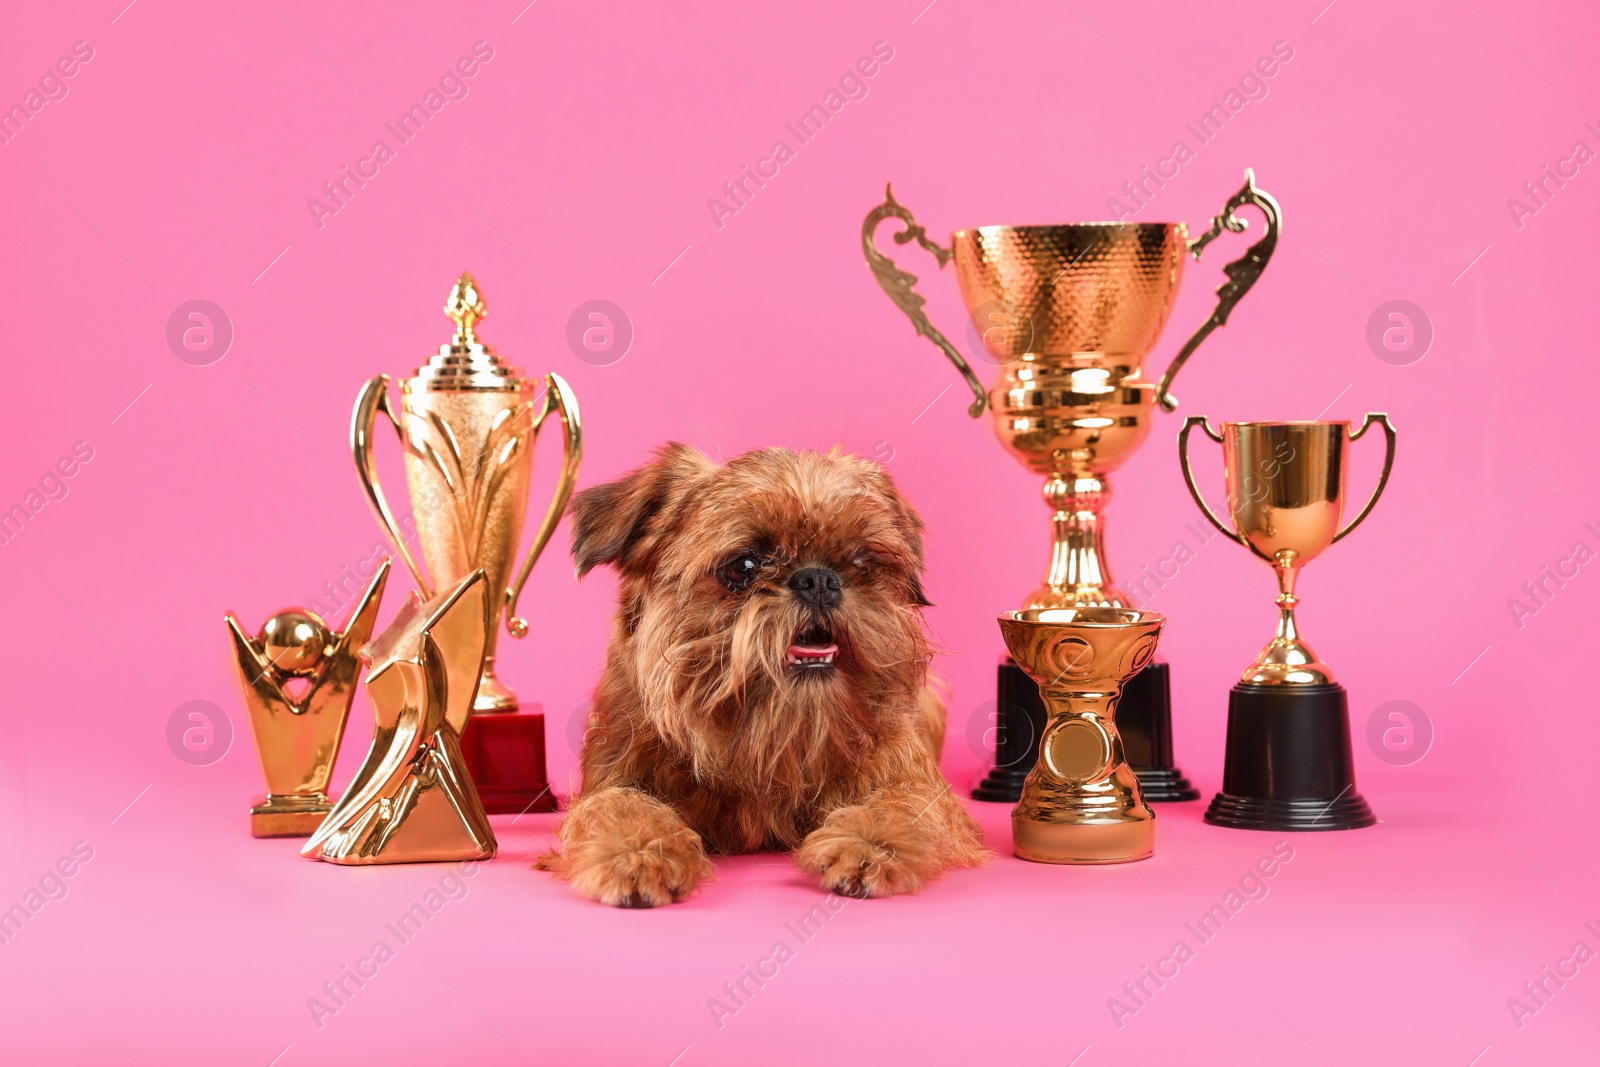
x=812, y=651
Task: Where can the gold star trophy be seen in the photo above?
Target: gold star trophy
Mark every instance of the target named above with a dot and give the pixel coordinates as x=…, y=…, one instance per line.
x=413, y=800
x=468, y=423
x=298, y=737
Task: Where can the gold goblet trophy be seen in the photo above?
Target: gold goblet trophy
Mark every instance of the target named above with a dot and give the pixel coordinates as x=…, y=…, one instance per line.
x=468, y=424
x=1288, y=764
x=1081, y=802
x=1070, y=312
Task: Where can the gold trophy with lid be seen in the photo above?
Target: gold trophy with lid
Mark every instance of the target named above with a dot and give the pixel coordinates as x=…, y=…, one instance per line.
x=468, y=423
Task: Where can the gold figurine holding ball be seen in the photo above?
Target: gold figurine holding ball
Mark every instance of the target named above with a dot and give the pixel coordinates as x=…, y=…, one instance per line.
x=298, y=737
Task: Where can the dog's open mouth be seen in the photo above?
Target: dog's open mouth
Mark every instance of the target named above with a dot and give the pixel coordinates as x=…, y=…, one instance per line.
x=812, y=650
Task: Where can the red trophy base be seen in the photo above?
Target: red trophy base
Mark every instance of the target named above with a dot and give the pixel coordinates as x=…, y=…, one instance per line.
x=505, y=756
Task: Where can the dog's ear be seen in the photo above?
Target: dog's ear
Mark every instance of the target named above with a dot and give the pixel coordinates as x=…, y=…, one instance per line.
x=918, y=597
x=610, y=520
x=909, y=522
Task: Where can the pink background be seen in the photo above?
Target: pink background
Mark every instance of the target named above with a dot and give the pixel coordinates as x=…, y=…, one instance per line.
x=578, y=167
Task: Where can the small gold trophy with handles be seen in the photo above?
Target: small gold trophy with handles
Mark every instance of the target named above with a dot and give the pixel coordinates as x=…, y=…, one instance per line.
x=1070, y=313
x=1288, y=763
x=468, y=423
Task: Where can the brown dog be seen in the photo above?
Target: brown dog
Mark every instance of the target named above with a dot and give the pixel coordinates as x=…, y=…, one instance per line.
x=766, y=682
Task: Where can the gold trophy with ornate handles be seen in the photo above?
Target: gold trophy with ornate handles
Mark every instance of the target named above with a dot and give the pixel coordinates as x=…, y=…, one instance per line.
x=1288, y=764
x=467, y=425
x=1069, y=313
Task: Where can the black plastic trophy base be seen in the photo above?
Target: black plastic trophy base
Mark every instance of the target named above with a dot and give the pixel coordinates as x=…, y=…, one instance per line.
x=1288, y=763
x=1144, y=719
x=1019, y=720
x=1164, y=785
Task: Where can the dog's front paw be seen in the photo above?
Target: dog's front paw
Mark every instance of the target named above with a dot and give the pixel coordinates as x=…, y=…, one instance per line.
x=628, y=850
x=853, y=857
x=647, y=877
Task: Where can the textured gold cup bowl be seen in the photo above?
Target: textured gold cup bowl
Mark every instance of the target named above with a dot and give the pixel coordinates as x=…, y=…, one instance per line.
x=1099, y=291
x=1069, y=314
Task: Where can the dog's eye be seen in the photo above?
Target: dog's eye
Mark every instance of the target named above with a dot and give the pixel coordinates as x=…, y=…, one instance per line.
x=739, y=572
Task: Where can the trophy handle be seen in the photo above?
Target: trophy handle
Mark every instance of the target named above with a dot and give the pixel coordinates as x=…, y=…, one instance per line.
x=558, y=398
x=1388, y=465
x=900, y=285
x=1242, y=272
x=373, y=401
x=1188, y=476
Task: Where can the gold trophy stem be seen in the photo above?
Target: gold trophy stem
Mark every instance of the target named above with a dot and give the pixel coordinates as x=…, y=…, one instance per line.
x=1287, y=659
x=1078, y=573
x=1286, y=652
x=1288, y=633
x=494, y=696
x=1071, y=820
x=1284, y=563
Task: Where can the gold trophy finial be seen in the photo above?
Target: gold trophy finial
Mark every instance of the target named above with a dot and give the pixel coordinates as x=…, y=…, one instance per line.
x=465, y=308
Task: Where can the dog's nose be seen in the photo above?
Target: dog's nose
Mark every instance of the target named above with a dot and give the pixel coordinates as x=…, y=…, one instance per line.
x=817, y=586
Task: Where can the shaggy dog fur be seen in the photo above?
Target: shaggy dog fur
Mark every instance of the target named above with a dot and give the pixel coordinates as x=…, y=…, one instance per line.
x=722, y=721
